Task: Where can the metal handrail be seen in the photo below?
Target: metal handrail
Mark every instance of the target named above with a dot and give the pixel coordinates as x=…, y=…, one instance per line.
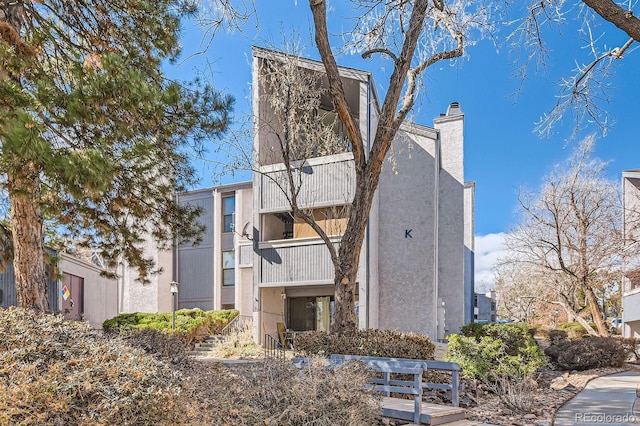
x=273, y=348
x=239, y=323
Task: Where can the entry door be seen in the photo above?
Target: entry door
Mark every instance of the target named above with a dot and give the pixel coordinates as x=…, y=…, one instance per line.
x=302, y=313
x=310, y=313
x=73, y=297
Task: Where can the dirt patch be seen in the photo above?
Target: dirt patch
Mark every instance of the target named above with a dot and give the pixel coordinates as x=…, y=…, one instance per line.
x=546, y=400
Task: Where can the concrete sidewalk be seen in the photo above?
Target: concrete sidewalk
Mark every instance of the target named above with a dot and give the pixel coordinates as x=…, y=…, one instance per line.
x=607, y=400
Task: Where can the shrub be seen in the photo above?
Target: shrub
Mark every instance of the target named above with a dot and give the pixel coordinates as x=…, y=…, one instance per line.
x=514, y=337
x=274, y=393
x=370, y=342
x=191, y=324
x=169, y=347
x=574, y=329
x=495, y=351
x=584, y=354
x=632, y=348
x=557, y=336
x=54, y=371
x=59, y=372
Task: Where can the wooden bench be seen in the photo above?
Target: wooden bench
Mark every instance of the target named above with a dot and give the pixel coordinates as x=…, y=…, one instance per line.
x=397, y=408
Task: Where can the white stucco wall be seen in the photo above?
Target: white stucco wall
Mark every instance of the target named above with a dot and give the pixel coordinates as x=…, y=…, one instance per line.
x=406, y=243
x=451, y=218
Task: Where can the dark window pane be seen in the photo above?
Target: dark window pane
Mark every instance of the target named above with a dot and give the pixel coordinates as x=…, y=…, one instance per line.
x=229, y=277
x=228, y=223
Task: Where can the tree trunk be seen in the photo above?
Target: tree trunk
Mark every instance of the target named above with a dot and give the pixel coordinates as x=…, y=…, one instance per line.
x=573, y=315
x=344, y=315
x=344, y=320
x=28, y=240
x=595, y=311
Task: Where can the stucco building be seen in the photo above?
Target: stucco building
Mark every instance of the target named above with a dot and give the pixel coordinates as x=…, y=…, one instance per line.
x=416, y=266
x=631, y=275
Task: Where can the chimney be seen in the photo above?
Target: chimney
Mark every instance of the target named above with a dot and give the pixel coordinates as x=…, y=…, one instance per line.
x=454, y=109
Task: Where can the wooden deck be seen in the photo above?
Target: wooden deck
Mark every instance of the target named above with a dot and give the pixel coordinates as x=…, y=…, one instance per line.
x=431, y=414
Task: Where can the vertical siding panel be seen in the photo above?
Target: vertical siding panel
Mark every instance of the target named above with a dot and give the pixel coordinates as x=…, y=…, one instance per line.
x=296, y=264
x=7, y=284
x=8, y=287
x=195, y=263
x=324, y=184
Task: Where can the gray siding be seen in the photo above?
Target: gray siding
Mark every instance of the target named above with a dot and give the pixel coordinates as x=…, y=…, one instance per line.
x=195, y=263
x=196, y=278
x=296, y=264
x=8, y=288
x=322, y=185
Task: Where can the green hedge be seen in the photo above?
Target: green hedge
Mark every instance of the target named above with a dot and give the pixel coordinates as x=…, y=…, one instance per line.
x=489, y=352
x=191, y=324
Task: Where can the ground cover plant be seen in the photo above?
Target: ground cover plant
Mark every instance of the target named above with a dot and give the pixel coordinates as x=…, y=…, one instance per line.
x=191, y=324
x=59, y=372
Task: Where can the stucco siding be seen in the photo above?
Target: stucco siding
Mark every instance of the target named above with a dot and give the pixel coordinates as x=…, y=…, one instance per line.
x=100, y=293
x=405, y=237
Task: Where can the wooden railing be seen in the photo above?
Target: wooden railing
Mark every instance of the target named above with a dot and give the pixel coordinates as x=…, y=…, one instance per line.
x=426, y=365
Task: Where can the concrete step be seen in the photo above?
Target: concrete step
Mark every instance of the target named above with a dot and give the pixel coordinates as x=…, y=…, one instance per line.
x=200, y=348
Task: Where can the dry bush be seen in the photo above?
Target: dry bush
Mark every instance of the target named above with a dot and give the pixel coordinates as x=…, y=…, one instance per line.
x=168, y=347
x=584, y=354
x=383, y=343
x=275, y=393
x=519, y=396
x=632, y=348
x=59, y=372
x=239, y=344
x=557, y=336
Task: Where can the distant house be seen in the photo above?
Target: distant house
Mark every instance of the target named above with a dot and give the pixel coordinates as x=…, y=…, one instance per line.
x=80, y=292
x=484, y=307
x=631, y=270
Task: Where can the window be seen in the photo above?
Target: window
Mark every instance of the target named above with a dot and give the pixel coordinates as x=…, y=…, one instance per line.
x=228, y=268
x=228, y=211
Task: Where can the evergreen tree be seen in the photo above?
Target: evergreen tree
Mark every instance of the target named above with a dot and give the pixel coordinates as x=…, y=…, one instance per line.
x=93, y=137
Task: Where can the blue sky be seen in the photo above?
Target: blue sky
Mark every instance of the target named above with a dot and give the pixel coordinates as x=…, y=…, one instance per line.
x=502, y=153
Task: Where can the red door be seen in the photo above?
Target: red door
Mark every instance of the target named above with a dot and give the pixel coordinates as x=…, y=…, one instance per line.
x=73, y=297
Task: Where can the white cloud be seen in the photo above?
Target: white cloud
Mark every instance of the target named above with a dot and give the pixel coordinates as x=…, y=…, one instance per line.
x=488, y=249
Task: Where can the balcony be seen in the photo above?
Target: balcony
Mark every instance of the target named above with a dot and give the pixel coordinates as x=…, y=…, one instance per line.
x=324, y=181
x=303, y=261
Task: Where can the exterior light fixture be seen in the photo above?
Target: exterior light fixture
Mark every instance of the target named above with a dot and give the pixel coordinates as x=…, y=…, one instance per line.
x=174, y=289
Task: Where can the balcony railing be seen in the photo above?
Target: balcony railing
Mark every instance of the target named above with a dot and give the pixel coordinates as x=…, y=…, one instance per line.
x=295, y=261
x=325, y=181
